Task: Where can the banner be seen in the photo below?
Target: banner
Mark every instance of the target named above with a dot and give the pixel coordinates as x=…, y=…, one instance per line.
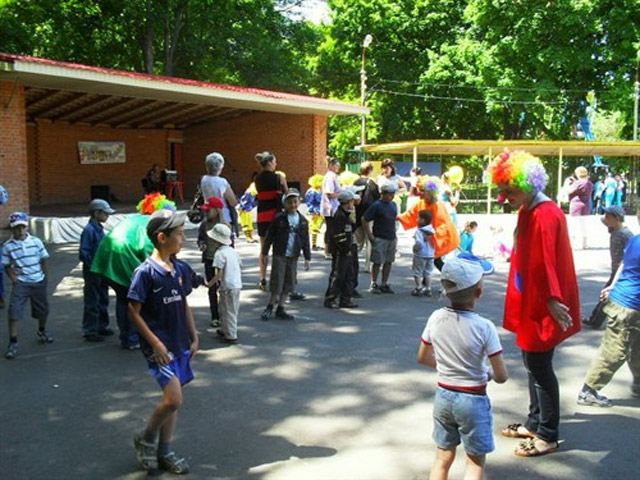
x=92, y=153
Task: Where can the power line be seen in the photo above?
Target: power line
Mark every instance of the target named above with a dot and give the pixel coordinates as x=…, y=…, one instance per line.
x=486, y=87
x=467, y=99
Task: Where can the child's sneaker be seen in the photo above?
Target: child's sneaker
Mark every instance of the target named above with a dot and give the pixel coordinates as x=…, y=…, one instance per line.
x=44, y=337
x=267, y=314
x=172, y=463
x=146, y=453
x=214, y=323
x=416, y=292
x=282, y=314
x=374, y=288
x=593, y=399
x=386, y=289
x=426, y=291
x=12, y=351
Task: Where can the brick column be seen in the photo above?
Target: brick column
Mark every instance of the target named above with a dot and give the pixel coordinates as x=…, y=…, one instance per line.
x=13, y=149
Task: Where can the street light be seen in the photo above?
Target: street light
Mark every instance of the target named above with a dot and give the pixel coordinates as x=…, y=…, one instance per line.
x=363, y=90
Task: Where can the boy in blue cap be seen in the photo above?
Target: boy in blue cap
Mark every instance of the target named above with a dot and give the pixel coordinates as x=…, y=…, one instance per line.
x=24, y=259
x=168, y=339
x=95, y=320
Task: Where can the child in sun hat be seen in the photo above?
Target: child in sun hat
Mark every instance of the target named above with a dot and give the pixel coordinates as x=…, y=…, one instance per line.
x=228, y=277
x=462, y=410
x=24, y=259
x=213, y=215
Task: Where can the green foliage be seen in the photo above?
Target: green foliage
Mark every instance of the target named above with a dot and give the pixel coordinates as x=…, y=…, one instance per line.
x=238, y=41
x=436, y=68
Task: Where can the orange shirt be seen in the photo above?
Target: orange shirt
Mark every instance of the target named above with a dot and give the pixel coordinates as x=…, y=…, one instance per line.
x=446, y=238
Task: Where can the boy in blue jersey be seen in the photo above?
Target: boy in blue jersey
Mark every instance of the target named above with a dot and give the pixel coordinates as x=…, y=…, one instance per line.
x=168, y=338
x=621, y=342
x=24, y=260
x=95, y=319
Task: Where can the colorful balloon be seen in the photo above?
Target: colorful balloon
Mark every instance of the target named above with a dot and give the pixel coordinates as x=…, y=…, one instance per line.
x=4, y=195
x=456, y=174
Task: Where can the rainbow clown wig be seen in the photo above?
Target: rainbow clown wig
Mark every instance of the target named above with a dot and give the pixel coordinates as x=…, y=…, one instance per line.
x=154, y=202
x=518, y=169
x=430, y=184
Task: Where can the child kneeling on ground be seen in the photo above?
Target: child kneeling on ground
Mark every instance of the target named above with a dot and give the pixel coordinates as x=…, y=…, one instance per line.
x=168, y=339
x=228, y=278
x=289, y=234
x=462, y=411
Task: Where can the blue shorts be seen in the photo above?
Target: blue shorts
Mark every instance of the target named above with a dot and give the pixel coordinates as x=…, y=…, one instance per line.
x=179, y=367
x=463, y=416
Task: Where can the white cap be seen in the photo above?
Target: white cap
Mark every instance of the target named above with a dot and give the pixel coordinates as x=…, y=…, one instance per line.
x=220, y=233
x=463, y=273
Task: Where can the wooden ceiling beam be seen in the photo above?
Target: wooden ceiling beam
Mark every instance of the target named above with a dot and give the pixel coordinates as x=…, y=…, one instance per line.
x=118, y=108
x=44, y=110
x=122, y=118
x=170, y=118
x=207, y=116
x=33, y=98
x=90, y=106
x=152, y=116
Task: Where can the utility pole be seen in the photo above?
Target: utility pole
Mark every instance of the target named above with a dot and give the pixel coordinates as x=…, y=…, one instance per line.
x=636, y=94
x=363, y=90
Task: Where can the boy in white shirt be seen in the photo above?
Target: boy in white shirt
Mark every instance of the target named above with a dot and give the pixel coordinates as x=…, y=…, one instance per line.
x=423, y=254
x=457, y=342
x=227, y=267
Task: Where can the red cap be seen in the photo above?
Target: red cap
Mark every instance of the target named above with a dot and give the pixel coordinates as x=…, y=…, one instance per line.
x=212, y=202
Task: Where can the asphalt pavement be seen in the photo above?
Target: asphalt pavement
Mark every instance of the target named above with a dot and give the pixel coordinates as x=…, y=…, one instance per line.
x=334, y=394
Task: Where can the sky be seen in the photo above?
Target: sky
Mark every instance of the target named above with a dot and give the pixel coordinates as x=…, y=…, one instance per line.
x=315, y=11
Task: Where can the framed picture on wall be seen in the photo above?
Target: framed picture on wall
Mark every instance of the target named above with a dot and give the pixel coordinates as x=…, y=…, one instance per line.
x=92, y=153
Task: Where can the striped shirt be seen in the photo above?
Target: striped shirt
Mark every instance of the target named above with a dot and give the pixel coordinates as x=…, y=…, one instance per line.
x=24, y=257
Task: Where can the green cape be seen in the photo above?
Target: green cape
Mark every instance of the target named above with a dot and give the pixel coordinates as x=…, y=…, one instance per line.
x=124, y=248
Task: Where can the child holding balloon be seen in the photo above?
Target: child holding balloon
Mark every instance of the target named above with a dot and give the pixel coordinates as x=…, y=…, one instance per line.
x=450, y=191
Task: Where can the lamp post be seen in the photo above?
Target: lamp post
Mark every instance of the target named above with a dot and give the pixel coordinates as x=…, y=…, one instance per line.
x=636, y=94
x=363, y=90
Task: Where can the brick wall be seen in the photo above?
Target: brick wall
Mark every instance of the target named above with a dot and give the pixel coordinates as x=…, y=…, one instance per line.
x=57, y=177
x=298, y=141
x=13, y=150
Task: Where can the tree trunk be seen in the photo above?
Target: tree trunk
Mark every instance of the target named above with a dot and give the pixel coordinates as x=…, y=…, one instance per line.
x=147, y=47
x=172, y=36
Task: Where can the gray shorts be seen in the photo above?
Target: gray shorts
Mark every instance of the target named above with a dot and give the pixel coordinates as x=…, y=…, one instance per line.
x=422, y=267
x=284, y=274
x=383, y=251
x=21, y=292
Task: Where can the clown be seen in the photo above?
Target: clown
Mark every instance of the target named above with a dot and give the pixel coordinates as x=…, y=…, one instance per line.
x=248, y=202
x=446, y=238
x=542, y=304
x=312, y=198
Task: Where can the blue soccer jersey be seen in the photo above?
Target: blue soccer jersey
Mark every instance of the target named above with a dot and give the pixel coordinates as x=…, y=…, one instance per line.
x=162, y=295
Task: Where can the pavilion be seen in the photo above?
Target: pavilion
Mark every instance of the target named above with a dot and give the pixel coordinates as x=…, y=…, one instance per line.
x=70, y=130
x=489, y=148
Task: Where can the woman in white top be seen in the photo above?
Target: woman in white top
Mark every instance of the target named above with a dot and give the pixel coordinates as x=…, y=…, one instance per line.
x=389, y=175
x=213, y=185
